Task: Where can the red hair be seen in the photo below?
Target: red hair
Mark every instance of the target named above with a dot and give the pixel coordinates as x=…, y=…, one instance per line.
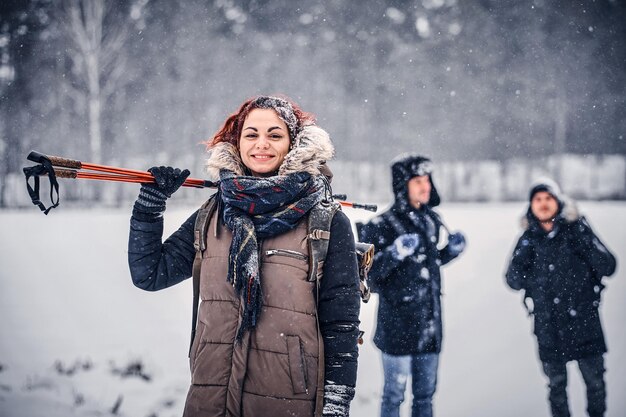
x=231, y=129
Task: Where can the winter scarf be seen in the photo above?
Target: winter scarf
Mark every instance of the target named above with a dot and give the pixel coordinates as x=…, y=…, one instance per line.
x=255, y=208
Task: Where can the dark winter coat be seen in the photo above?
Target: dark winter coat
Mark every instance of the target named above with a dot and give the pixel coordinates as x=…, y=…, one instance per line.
x=561, y=272
x=409, y=305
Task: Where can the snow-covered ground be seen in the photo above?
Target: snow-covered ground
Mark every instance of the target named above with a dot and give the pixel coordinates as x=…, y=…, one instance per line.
x=66, y=295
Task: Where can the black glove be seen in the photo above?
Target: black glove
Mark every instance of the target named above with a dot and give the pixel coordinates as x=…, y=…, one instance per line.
x=404, y=245
x=152, y=196
x=456, y=243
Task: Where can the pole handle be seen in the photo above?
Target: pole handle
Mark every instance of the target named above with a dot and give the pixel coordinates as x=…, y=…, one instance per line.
x=65, y=173
x=368, y=207
x=54, y=160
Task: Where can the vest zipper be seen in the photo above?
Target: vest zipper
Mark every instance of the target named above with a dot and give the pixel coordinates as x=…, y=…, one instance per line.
x=286, y=252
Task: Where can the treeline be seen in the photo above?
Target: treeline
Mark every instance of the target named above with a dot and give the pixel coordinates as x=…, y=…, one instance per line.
x=104, y=80
x=582, y=177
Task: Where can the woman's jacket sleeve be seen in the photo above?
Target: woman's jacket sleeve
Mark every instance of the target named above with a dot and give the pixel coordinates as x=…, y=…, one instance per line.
x=384, y=262
x=339, y=305
x=154, y=264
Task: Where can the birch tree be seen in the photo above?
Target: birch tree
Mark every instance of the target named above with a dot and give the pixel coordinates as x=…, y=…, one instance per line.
x=97, y=31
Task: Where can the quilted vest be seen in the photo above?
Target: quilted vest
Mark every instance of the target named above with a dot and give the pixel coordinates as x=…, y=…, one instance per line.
x=275, y=369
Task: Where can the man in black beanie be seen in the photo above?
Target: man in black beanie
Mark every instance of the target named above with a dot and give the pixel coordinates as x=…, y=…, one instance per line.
x=559, y=262
x=407, y=279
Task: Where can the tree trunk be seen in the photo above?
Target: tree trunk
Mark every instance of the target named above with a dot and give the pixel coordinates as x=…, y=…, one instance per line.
x=560, y=129
x=95, y=110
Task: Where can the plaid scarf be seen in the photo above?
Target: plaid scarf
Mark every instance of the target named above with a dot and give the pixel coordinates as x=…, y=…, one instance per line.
x=255, y=208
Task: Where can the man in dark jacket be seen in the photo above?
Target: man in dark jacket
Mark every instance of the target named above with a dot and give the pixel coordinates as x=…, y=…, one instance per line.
x=406, y=276
x=559, y=263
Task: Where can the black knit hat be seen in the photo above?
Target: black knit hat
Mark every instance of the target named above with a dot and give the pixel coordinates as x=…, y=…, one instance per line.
x=406, y=166
x=548, y=185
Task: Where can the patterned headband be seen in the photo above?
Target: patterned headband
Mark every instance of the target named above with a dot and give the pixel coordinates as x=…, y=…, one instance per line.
x=284, y=110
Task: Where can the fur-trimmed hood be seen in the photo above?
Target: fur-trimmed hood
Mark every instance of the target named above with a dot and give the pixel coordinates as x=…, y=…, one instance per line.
x=311, y=149
x=568, y=212
x=403, y=168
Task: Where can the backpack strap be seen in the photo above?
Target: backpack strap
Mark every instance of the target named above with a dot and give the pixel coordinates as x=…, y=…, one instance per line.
x=199, y=233
x=318, y=238
x=320, y=219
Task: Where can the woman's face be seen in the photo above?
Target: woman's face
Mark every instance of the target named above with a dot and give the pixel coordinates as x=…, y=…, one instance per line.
x=544, y=206
x=264, y=142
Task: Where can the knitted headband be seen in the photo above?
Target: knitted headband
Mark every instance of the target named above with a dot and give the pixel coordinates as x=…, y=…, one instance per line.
x=284, y=110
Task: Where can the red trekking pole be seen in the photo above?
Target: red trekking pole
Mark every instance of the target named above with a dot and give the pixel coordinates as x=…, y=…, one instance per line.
x=58, y=167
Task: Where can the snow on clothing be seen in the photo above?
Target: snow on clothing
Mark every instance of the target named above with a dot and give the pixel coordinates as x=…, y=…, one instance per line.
x=409, y=306
x=561, y=272
x=257, y=208
x=275, y=365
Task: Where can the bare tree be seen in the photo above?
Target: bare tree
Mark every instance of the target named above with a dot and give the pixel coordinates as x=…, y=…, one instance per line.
x=97, y=31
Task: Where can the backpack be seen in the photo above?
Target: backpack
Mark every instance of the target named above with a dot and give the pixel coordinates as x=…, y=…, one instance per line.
x=319, y=220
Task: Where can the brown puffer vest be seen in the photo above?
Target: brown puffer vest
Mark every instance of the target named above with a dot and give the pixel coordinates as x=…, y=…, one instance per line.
x=274, y=370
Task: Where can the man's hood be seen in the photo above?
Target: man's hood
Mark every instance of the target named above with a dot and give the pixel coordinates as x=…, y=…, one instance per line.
x=405, y=167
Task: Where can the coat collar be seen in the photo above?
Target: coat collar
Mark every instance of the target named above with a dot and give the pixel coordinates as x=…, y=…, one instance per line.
x=311, y=149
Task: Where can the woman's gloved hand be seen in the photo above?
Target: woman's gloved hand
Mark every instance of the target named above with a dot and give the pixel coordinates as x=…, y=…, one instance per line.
x=456, y=243
x=337, y=400
x=152, y=196
x=404, y=245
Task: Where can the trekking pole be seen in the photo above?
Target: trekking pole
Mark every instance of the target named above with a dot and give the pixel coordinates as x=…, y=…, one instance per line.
x=143, y=179
x=342, y=197
x=70, y=169
x=131, y=174
x=368, y=207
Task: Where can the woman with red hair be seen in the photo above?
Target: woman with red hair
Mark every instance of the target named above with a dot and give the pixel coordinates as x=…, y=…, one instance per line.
x=272, y=338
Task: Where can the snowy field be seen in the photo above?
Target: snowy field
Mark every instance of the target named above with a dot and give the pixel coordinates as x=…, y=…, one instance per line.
x=78, y=339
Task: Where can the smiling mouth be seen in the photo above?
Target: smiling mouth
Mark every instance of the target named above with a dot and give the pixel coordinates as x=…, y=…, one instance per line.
x=263, y=157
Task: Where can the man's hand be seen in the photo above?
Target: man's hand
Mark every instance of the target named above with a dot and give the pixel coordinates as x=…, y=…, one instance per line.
x=404, y=245
x=456, y=243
